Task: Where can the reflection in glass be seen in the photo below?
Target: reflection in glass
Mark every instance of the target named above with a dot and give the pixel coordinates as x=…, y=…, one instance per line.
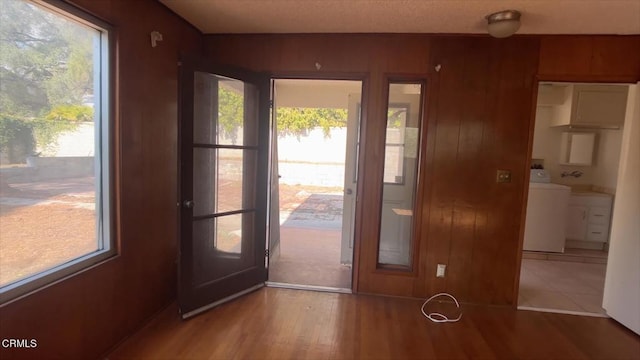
x=400, y=173
x=234, y=121
x=229, y=234
x=224, y=180
x=394, y=144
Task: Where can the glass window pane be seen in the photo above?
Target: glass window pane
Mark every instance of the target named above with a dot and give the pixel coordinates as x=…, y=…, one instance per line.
x=394, y=149
x=229, y=234
x=223, y=180
x=223, y=246
x=400, y=174
x=50, y=119
x=224, y=113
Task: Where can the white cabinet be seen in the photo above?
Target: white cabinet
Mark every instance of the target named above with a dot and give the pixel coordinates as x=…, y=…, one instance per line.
x=576, y=222
x=577, y=148
x=594, y=106
x=589, y=216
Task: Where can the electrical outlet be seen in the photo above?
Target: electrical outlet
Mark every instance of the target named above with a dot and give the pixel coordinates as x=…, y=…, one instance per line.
x=503, y=176
x=440, y=270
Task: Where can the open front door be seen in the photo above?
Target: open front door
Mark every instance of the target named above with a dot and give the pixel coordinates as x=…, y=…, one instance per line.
x=224, y=124
x=350, y=179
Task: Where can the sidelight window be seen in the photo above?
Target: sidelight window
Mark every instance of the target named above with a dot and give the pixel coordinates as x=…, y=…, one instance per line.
x=404, y=114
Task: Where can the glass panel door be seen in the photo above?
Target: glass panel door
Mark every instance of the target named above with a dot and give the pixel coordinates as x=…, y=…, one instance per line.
x=223, y=190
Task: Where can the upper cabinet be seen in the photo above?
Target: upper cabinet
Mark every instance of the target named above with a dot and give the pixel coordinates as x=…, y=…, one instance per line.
x=598, y=105
x=588, y=106
x=577, y=148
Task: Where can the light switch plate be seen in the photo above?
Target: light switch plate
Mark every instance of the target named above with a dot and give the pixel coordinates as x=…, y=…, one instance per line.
x=503, y=176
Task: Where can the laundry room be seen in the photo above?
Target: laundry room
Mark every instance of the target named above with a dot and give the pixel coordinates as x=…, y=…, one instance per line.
x=577, y=143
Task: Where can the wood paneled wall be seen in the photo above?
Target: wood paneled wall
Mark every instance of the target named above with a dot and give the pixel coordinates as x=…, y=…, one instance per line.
x=479, y=114
x=83, y=316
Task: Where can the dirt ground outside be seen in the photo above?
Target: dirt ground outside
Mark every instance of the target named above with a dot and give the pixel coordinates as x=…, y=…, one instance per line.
x=45, y=224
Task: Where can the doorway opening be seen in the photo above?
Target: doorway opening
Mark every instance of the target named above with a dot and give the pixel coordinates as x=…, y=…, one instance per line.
x=315, y=131
x=574, y=175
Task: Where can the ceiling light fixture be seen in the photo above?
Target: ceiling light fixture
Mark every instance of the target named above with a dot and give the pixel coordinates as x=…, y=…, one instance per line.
x=504, y=23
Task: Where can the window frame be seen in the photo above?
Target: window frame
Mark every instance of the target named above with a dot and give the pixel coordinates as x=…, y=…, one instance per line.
x=105, y=153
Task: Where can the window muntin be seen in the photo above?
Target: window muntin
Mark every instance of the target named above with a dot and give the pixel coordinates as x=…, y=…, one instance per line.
x=54, y=151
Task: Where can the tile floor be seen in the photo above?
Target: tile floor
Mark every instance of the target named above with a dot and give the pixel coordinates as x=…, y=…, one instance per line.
x=310, y=241
x=310, y=257
x=562, y=285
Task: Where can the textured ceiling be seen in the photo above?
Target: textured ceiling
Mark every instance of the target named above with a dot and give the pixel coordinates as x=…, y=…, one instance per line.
x=406, y=16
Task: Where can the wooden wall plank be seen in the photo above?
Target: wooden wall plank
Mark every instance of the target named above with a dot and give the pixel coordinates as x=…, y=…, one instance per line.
x=565, y=55
x=470, y=163
x=612, y=55
x=599, y=57
x=449, y=54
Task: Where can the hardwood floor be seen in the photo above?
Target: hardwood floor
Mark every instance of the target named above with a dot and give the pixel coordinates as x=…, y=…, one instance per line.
x=293, y=324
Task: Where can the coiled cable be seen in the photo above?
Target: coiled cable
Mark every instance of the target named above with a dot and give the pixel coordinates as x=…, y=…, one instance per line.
x=438, y=317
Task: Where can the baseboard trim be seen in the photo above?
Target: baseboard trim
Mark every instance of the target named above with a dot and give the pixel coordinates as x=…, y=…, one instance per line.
x=558, y=311
x=308, y=287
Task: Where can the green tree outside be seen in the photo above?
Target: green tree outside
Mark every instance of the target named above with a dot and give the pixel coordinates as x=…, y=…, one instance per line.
x=46, y=70
x=291, y=121
x=298, y=121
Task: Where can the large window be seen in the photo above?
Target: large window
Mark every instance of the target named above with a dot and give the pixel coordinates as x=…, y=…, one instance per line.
x=54, y=144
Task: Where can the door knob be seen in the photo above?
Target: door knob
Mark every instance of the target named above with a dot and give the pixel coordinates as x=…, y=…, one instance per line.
x=188, y=204
x=349, y=191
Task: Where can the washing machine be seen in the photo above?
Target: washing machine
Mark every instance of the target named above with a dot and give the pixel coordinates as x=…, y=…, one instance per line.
x=546, y=217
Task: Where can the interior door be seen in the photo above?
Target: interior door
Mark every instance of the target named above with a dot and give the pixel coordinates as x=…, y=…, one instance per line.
x=224, y=122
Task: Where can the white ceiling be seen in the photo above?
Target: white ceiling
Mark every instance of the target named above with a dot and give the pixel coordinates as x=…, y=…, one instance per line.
x=406, y=16
x=316, y=93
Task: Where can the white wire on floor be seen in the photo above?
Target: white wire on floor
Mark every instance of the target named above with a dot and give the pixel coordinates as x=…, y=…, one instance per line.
x=437, y=317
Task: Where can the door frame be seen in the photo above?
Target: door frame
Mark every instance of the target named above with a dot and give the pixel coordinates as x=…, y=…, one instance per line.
x=364, y=78
x=628, y=80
